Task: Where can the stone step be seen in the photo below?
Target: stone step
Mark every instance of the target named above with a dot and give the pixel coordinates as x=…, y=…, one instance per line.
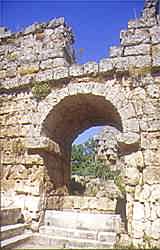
x=15, y=241
x=109, y=237
x=9, y=231
x=47, y=241
x=10, y=216
x=86, y=221
x=83, y=203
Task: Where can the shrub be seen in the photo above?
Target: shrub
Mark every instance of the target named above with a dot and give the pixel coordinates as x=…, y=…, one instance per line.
x=41, y=90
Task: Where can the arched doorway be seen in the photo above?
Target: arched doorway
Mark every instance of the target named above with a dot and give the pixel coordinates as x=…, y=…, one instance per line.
x=66, y=121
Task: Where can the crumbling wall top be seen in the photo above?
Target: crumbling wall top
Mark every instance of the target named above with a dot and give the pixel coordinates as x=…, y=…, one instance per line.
x=44, y=53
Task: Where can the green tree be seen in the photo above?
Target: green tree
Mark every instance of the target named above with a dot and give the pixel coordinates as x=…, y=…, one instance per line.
x=83, y=158
x=84, y=163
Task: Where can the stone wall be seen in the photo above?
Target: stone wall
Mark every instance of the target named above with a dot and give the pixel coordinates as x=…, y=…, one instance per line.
x=47, y=100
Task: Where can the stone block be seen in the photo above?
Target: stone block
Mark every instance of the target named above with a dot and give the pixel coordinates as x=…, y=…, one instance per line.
x=59, y=62
x=115, y=51
x=44, y=76
x=147, y=210
x=81, y=202
x=128, y=111
x=155, y=193
x=135, y=160
x=142, y=193
x=151, y=175
x=91, y=68
x=149, y=124
x=105, y=204
x=76, y=70
x=11, y=71
x=50, y=53
x=129, y=138
x=137, y=229
x=120, y=64
x=132, y=176
x=152, y=157
x=153, y=212
x=2, y=74
x=26, y=79
x=156, y=55
x=108, y=237
x=46, y=64
x=137, y=242
x=131, y=125
x=105, y=65
x=151, y=107
x=143, y=49
x=155, y=34
x=87, y=221
x=142, y=23
x=155, y=229
x=32, y=203
x=28, y=69
x=134, y=37
x=68, y=202
x=139, y=62
x=10, y=216
x=153, y=91
x=61, y=73
x=138, y=212
x=9, y=231
x=158, y=210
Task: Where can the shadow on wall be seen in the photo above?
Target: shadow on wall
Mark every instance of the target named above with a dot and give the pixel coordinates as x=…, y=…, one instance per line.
x=76, y=188
x=121, y=209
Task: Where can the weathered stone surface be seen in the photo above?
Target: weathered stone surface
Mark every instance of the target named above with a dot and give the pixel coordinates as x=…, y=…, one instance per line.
x=69, y=219
x=128, y=139
x=61, y=73
x=10, y=215
x=120, y=64
x=153, y=91
x=138, y=212
x=134, y=37
x=135, y=160
x=36, y=133
x=155, y=34
x=76, y=70
x=105, y=65
x=116, y=51
x=155, y=193
x=138, y=229
x=151, y=175
x=143, y=49
x=156, y=55
x=132, y=176
x=155, y=231
x=142, y=23
x=142, y=194
x=152, y=157
x=43, y=76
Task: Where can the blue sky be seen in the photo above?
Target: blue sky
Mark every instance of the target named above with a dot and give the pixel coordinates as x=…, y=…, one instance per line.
x=96, y=24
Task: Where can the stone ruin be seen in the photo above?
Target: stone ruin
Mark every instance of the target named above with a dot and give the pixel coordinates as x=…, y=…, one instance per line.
x=46, y=100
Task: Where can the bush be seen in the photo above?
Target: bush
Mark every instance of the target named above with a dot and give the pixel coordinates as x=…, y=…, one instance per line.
x=41, y=90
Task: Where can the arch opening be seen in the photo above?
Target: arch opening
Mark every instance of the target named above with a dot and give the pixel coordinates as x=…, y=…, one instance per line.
x=74, y=114
x=69, y=118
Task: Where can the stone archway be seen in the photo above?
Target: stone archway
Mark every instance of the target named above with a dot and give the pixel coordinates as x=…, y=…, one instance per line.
x=69, y=111
x=66, y=121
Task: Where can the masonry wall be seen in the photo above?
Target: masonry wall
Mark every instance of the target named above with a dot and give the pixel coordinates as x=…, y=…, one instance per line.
x=129, y=79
